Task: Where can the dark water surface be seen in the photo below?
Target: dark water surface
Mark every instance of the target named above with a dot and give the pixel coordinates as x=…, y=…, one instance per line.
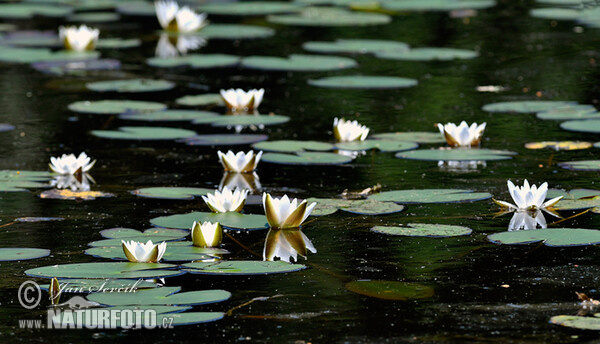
x=524, y=54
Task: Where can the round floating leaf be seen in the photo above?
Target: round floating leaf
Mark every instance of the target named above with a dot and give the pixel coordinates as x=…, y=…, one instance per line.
x=390, y=290
x=428, y=54
x=241, y=267
x=200, y=100
x=574, y=204
x=230, y=220
x=329, y=16
x=384, y=146
x=94, y=17
x=173, y=253
x=526, y=106
x=148, y=234
x=130, y=86
x=235, y=31
x=19, y=181
x=86, y=285
x=31, y=55
x=437, y=5
x=584, y=165
x=47, y=39
x=430, y=196
x=118, y=43
x=298, y=63
x=189, y=318
x=38, y=219
x=306, y=158
x=115, y=107
x=424, y=230
x=105, y=270
x=355, y=46
x=556, y=13
x=361, y=207
x=144, y=133
x=572, y=194
x=229, y=120
x=26, y=11
x=161, y=296
x=558, y=237
x=170, y=192
x=414, y=136
x=586, y=126
x=171, y=115
x=137, y=8
x=559, y=145
x=292, y=146
x=576, y=111
x=164, y=315
x=67, y=194
x=68, y=67
x=195, y=61
x=21, y=253
x=250, y=8
x=224, y=139
x=578, y=322
x=457, y=154
x=363, y=81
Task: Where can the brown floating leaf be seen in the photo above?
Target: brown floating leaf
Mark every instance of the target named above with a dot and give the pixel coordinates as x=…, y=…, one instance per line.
x=74, y=195
x=559, y=145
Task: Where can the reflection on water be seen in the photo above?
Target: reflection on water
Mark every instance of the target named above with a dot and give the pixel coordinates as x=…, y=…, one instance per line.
x=287, y=244
x=75, y=182
x=461, y=165
x=527, y=220
x=249, y=181
x=173, y=46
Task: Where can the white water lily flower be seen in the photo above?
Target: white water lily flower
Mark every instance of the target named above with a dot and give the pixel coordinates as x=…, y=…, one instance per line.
x=173, y=46
x=239, y=162
x=527, y=220
x=462, y=135
x=226, y=200
x=528, y=197
x=283, y=213
x=137, y=252
x=69, y=164
x=286, y=244
x=206, y=234
x=78, y=38
x=178, y=19
x=347, y=131
x=240, y=100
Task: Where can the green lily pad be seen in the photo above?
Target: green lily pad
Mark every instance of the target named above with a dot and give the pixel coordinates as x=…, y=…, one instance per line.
x=363, y=81
x=46, y=39
x=171, y=192
x=200, y=100
x=118, y=43
x=390, y=290
x=105, y=270
x=329, y=16
x=585, y=199
x=578, y=322
x=355, y=46
x=327, y=206
x=94, y=17
x=228, y=120
x=115, y=107
x=171, y=116
x=241, y=267
x=575, y=111
x=20, y=181
x=235, y=31
x=382, y=145
x=87, y=285
x=430, y=196
x=298, y=63
x=22, y=253
x=585, y=126
x=250, y=8
x=173, y=253
x=306, y=158
x=5, y=27
x=31, y=55
x=224, y=139
x=137, y=8
x=148, y=234
x=526, y=106
x=572, y=194
x=165, y=316
x=161, y=296
x=144, y=133
x=292, y=146
x=456, y=154
x=412, y=136
x=436, y=5
x=424, y=230
x=556, y=237
x=428, y=54
x=583, y=165
x=555, y=13
x=27, y=11
x=130, y=86
x=231, y=220
x=62, y=68
x=195, y=61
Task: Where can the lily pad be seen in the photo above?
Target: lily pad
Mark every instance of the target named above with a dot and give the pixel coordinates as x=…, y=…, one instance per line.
x=195, y=61
x=231, y=220
x=21, y=253
x=27, y=11
x=105, y=270
x=355, y=46
x=69, y=68
x=137, y=8
x=306, y=158
x=144, y=133
x=578, y=322
x=250, y=8
x=118, y=43
x=292, y=146
x=149, y=234
x=456, y=154
x=411, y=136
x=526, y=106
x=585, y=126
x=224, y=139
x=177, y=253
x=200, y=100
x=576, y=111
x=559, y=145
x=115, y=107
x=572, y=194
x=424, y=230
x=161, y=296
x=382, y=145
x=583, y=165
x=130, y=86
x=428, y=54
x=164, y=315
x=555, y=13
x=436, y=5
x=87, y=285
x=235, y=31
x=171, y=192
x=430, y=196
x=229, y=120
x=171, y=116
x=327, y=206
x=390, y=290
x=31, y=55
x=556, y=237
x=298, y=63
x=94, y=17
x=329, y=16
x=363, y=81
x=67, y=194
x=20, y=181
x=241, y=267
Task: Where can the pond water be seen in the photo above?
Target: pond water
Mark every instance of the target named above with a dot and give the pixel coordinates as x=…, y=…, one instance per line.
x=476, y=291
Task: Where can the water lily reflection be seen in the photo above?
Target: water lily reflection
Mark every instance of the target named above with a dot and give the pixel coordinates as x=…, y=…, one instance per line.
x=173, y=46
x=527, y=220
x=461, y=166
x=75, y=182
x=248, y=181
x=80, y=38
x=286, y=244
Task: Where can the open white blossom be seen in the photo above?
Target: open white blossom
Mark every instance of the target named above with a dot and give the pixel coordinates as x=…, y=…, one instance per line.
x=178, y=19
x=138, y=252
x=240, y=100
x=226, y=200
x=462, y=135
x=283, y=213
x=78, y=38
x=286, y=244
x=347, y=131
x=69, y=164
x=239, y=162
x=173, y=46
x=206, y=234
x=528, y=197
